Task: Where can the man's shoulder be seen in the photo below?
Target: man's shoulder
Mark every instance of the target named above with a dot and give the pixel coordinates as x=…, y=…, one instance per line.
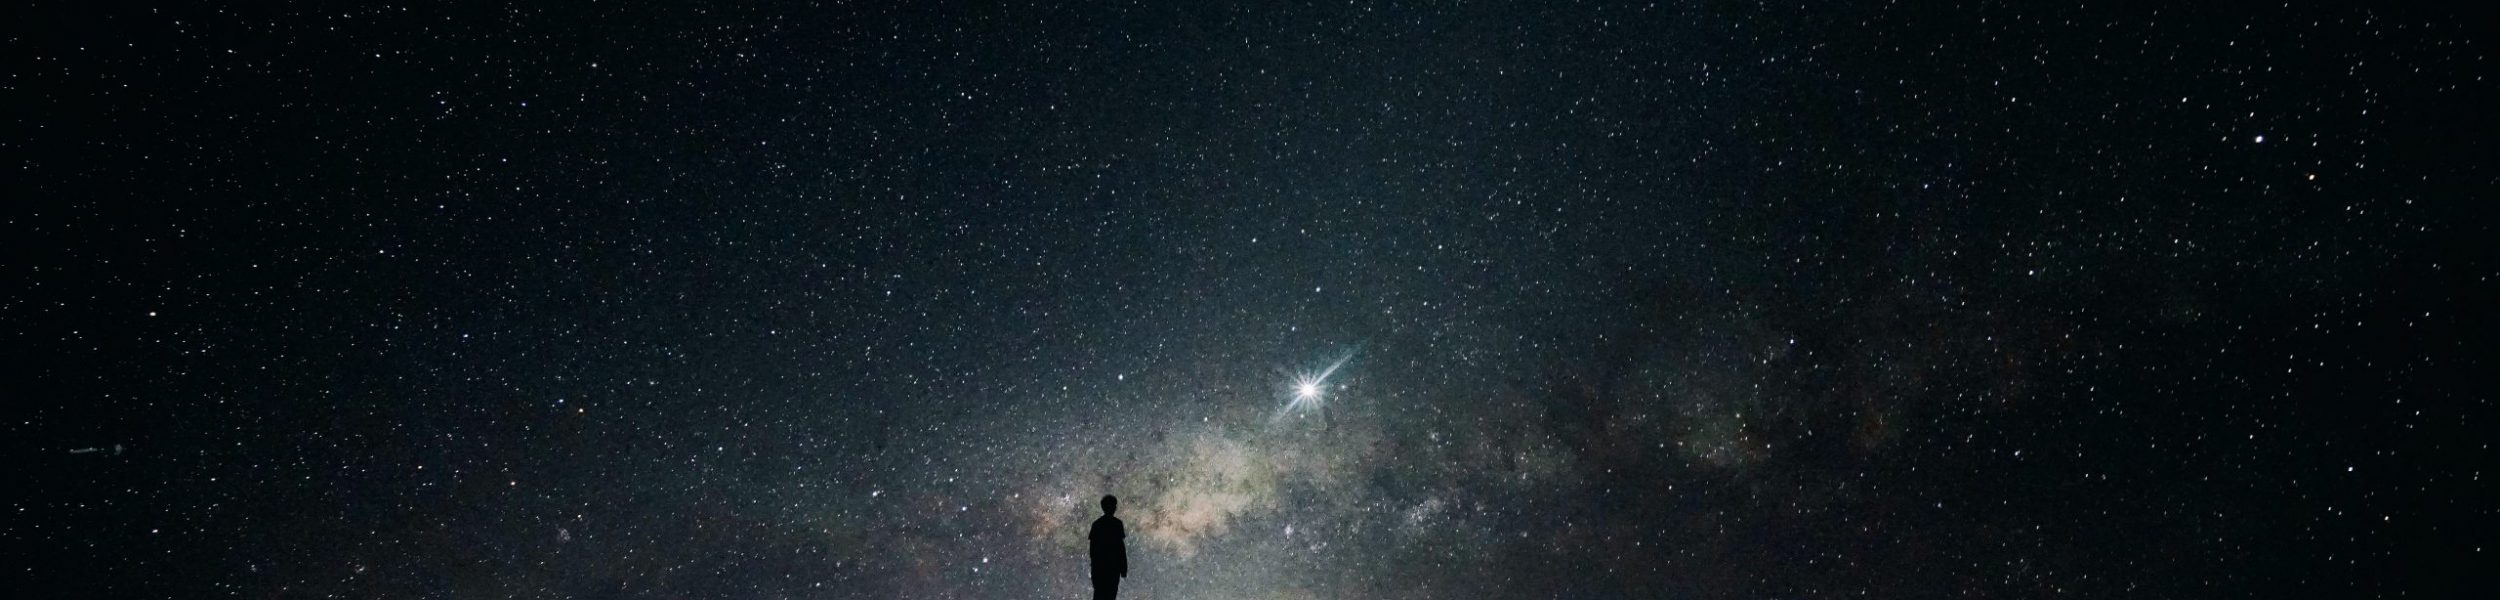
x=1108, y=527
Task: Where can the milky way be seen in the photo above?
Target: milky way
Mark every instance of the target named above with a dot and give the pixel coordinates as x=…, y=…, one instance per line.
x=1355, y=300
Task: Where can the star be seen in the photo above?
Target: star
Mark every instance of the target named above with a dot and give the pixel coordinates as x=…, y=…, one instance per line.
x=1309, y=387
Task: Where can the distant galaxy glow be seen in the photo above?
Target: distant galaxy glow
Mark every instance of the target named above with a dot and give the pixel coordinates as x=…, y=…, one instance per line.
x=1701, y=300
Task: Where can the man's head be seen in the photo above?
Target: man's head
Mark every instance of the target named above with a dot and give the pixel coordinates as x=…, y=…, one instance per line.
x=1110, y=504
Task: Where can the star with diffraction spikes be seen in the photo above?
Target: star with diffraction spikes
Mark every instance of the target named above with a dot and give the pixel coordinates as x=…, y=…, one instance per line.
x=1307, y=390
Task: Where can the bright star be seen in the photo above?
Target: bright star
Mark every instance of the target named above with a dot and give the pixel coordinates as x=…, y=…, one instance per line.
x=1308, y=388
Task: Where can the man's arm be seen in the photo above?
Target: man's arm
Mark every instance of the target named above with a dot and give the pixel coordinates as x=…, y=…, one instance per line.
x=1123, y=537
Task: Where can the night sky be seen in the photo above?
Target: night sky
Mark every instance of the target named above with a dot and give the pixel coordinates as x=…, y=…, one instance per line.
x=858, y=300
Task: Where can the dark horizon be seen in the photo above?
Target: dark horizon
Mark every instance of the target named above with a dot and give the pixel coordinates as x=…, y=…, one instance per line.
x=1716, y=300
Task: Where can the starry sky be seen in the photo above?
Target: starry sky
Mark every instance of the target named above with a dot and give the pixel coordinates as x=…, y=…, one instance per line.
x=1595, y=300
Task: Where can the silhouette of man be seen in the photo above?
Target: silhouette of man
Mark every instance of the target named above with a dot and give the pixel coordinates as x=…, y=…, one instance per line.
x=1110, y=550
